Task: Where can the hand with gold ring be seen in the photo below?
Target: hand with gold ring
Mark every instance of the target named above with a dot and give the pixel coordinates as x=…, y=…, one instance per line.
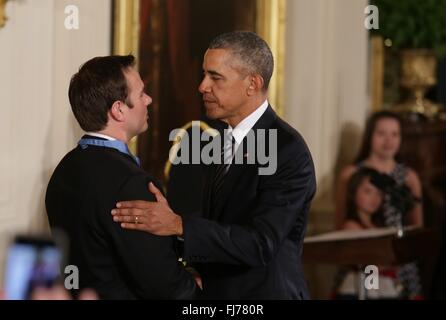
x=153, y=217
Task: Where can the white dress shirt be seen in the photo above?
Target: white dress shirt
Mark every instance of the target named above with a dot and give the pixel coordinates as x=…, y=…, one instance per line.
x=100, y=135
x=242, y=129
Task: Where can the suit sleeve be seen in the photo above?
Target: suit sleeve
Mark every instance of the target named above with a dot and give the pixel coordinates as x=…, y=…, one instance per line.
x=280, y=211
x=150, y=262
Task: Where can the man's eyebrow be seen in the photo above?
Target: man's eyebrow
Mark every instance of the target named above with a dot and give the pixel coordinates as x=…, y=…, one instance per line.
x=214, y=73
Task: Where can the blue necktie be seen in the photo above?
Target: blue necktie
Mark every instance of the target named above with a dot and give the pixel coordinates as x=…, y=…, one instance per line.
x=114, y=144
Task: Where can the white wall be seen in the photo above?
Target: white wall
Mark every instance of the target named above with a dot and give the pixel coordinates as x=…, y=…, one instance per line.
x=37, y=58
x=326, y=98
x=326, y=78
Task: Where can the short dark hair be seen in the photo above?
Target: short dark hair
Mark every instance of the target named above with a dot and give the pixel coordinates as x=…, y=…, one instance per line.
x=251, y=50
x=98, y=84
x=366, y=145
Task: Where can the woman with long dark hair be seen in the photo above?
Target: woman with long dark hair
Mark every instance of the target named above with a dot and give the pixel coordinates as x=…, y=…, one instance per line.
x=380, y=150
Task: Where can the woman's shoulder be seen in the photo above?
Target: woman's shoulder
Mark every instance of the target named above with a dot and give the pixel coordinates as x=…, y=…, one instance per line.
x=348, y=171
x=412, y=177
x=411, y=173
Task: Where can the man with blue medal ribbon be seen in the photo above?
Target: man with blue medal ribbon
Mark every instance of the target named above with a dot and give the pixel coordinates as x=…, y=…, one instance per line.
x=108, y=100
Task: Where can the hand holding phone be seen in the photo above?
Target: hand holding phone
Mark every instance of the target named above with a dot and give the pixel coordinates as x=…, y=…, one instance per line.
x=32, y=262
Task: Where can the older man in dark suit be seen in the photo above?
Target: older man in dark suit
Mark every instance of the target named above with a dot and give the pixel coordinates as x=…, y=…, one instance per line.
x=247, y=244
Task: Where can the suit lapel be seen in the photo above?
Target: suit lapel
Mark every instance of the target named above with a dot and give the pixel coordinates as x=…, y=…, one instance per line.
x=236, y=170
x=207, y=198
x=208, y=206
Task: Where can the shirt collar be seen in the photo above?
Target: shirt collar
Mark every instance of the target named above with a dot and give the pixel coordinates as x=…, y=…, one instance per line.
x=100, y=135
x=242, y=129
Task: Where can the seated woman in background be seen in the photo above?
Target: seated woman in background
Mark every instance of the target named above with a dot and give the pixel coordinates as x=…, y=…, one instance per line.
x=364, y=210
x=380, y=151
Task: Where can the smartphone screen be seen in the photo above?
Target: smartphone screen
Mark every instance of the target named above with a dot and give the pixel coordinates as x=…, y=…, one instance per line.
x=31, y=263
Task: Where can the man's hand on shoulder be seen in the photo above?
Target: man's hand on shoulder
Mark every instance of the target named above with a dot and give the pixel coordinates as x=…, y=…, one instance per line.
x=153, y=217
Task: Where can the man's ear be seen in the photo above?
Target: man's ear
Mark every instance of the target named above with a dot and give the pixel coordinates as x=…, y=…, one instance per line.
x=255, y=84
x=116, y=111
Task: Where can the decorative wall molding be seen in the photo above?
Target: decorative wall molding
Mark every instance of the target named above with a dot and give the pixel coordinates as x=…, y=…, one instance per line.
x=3, y=17
x=126, y=37
x=271, y=26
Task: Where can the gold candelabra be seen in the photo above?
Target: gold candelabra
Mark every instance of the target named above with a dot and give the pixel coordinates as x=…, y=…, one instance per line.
x=418, y=75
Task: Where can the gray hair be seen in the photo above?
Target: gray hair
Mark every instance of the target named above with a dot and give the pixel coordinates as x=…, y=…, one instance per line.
x=252, y=52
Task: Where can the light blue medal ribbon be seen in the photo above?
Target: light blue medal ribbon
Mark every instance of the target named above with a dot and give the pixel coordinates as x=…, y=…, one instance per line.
x=114, y=144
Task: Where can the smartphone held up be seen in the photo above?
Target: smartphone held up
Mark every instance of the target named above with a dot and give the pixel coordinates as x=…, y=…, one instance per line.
x=33, y=262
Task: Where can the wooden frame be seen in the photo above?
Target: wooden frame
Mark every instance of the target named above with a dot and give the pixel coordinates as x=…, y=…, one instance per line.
x=126, y=36
x=271, y=19
x=376, y=73
x=3, y=17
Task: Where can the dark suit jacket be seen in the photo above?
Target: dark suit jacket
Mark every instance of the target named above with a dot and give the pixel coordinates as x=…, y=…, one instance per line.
x=248, y=244
x=117, y=263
